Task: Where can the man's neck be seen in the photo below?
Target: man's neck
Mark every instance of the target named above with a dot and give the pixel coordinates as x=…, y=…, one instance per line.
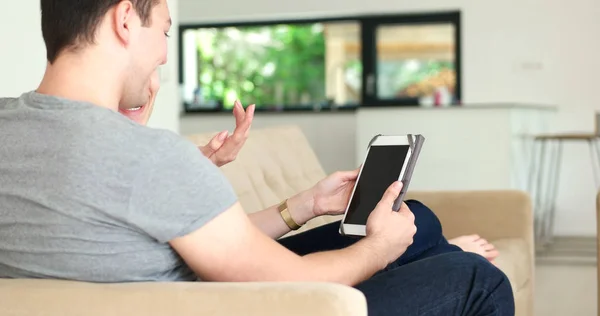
x=71, y=77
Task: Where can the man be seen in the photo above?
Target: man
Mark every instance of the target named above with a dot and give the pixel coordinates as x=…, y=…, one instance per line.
x=88, y=194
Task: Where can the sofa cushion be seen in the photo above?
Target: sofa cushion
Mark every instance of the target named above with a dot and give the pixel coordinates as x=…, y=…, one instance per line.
x=514, y=260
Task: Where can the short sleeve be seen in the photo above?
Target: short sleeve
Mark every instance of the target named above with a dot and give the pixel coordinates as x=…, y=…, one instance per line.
x=178, y=192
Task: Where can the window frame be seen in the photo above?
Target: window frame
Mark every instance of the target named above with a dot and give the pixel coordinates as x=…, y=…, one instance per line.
x=368, y=29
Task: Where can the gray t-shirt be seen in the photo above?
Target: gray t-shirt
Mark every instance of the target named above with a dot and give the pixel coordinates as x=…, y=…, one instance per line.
x=87, y=194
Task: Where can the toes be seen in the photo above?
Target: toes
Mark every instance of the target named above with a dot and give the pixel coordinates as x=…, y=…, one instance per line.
x=488, y=247
x=491, y=254
x=474, y=237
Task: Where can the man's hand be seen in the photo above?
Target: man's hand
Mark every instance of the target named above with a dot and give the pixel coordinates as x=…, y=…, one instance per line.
x=331, y=195
x=224, y=148
x=142, y=114
x=390, y=232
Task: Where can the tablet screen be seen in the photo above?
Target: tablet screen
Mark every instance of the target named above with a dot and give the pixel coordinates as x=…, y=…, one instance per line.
x=381, y=168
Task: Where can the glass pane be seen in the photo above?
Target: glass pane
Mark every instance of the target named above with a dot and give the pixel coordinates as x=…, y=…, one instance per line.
x=416, y=61
x=344, y=63
x=270, y=65
x=286, y=65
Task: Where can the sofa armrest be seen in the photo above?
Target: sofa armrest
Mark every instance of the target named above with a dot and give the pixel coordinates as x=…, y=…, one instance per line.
x=491, y=214
x=52, y=297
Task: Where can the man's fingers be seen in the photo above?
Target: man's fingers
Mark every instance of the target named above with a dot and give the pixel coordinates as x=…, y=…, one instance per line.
x=214, y=144
x=206, y=151
x=227, y=149
x=240, y=134
x=391, y=193
x=405, y=210
x=248, y=119
x=238, y=113
x=154, y=82
x=250, y=114
x=242, y=126
x=349, y=175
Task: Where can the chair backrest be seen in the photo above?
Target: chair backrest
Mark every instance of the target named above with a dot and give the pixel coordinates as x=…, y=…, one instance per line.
x=274, y=164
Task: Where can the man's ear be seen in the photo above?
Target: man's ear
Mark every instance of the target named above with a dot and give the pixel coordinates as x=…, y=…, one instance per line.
x=124, y=16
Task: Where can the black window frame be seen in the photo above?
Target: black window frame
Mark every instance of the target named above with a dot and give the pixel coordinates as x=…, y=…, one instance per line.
x=368, y=25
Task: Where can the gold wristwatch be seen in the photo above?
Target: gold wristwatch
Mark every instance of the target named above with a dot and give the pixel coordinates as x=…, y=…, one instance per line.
x=287, y=216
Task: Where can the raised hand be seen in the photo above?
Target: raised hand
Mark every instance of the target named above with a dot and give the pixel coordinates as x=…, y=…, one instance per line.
x=224, y=148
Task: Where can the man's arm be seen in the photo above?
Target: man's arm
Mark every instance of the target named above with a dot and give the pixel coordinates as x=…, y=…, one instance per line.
x=231, y=248
x=270, y=222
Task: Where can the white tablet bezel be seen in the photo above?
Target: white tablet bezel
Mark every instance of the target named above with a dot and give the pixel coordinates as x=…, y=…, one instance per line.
x=360, y=230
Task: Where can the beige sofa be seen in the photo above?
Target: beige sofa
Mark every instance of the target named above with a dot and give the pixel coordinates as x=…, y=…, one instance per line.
x=276, y=163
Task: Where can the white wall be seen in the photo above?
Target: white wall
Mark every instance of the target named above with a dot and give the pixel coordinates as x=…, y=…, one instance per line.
x=538, y=51
x=23, y=59
x=499, y=37
x=22, y=50
x=167, y=110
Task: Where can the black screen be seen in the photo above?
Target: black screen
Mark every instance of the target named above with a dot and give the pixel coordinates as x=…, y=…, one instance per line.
x=381, y=168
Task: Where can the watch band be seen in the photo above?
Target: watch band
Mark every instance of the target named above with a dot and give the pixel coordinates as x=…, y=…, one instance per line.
x=287, y=216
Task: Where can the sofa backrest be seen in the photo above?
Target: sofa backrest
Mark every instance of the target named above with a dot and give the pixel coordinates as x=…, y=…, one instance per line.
x=274, y=164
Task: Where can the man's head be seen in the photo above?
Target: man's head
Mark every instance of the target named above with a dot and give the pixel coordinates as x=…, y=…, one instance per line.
x=126, y=36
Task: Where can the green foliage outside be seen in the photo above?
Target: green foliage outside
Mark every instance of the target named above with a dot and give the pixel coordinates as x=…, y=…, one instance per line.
x=284, y=65
x=401, y=74
x=267, y=65
x=426, y=69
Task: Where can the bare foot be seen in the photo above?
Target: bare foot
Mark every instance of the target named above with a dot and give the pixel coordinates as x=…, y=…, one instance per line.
x=476, y=244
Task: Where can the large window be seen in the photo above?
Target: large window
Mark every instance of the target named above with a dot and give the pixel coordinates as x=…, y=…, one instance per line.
x=339, y=63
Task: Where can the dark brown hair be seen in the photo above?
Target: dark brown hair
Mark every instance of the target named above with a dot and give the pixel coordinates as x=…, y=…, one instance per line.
x=70, y=23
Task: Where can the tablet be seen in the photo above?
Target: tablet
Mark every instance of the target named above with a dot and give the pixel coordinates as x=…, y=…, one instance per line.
x=388, y=159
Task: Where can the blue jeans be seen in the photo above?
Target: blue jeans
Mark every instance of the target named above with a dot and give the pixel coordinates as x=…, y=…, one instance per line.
x=432, y=277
